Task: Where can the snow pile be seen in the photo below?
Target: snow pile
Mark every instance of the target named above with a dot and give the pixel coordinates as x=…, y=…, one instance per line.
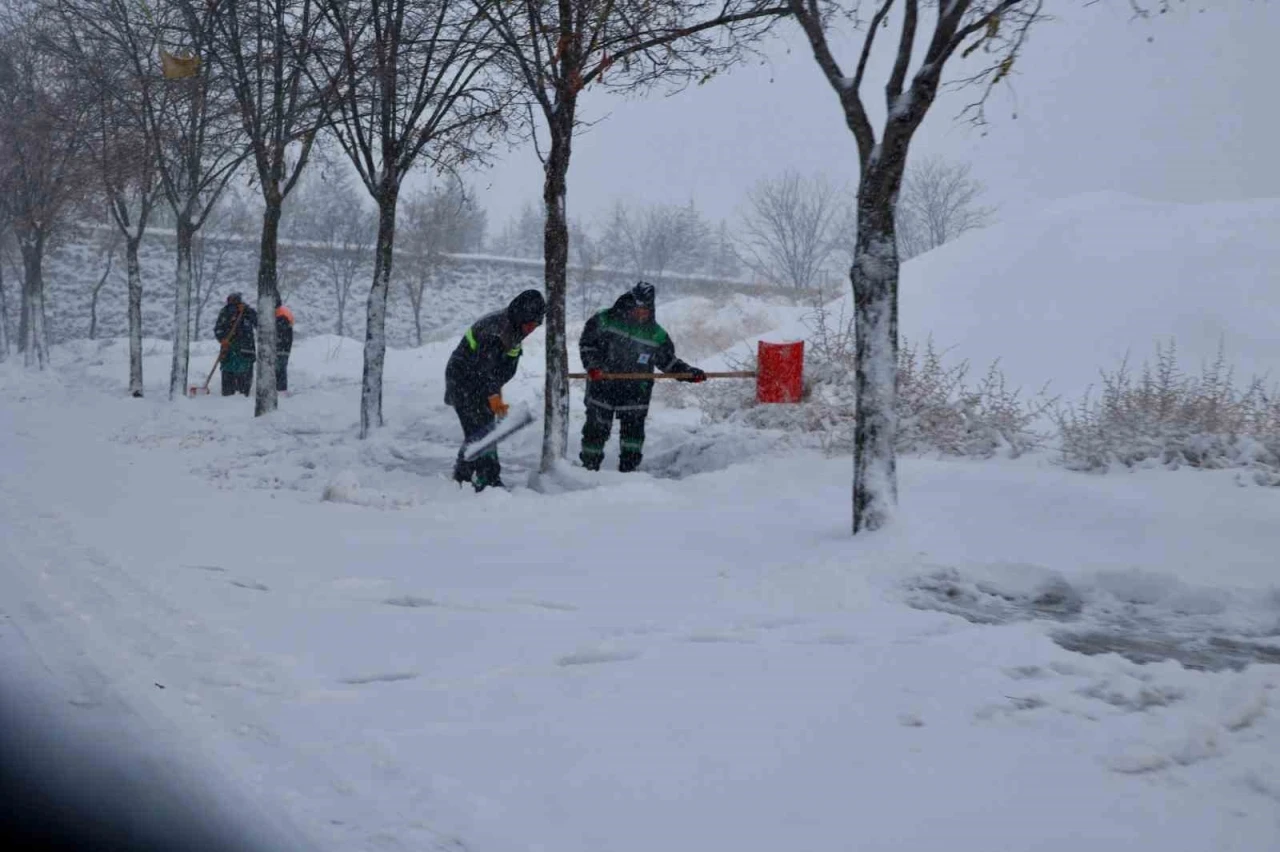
x=1059, y=295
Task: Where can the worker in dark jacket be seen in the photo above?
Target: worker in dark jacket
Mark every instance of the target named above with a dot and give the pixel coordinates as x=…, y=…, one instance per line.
x=284, y=344
x=624, y=339
x=485, y=360
x=235, y=329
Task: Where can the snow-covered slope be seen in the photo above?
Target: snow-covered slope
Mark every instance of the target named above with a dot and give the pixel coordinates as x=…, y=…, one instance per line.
x=1059, y=294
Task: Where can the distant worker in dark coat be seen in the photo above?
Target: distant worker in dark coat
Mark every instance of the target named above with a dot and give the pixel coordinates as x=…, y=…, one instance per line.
x=235, y=329
x=485, y=360
x=284, y=344
x=624, y=339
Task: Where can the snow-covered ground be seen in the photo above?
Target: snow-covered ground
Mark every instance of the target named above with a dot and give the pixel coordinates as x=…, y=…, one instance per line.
x=347, y=648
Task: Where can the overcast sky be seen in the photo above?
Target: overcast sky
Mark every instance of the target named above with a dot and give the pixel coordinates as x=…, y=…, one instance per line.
x=1185, y=107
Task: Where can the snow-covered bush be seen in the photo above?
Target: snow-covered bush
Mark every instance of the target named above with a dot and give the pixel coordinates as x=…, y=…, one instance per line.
x=938, y=410
x=1164, y=416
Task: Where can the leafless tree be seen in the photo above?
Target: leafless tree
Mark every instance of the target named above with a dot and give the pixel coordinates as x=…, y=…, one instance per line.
x=522, y=235
x=443, y=219
x=188, y=123
x=789, y=228
x=415, y=87
x=656, y=239
x=937, y=203
x=328, y=214
x=43, y=123
x=999, y=28
x=559, y=48
x=120, y=144
x=269, y=51
x=5, y=239
x=130, y=185
x=109, y=247
x=208, y=257
x=723, y=260
x=230, y=220
x=590, y=256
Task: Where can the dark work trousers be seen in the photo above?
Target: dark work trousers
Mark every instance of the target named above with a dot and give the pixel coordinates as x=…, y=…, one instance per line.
x=477, y=420
x=238, y=382
x=595, y=433
x=282, y=371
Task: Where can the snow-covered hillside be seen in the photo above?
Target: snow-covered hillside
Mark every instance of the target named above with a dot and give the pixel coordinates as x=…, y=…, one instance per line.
x=1058, y=294
x=348, y=650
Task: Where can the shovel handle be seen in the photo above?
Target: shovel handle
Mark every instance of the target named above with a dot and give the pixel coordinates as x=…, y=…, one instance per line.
x=632, y=377
x=223, y=346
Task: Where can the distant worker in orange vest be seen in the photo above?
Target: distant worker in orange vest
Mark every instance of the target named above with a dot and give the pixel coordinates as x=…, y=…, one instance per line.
x=284, y=345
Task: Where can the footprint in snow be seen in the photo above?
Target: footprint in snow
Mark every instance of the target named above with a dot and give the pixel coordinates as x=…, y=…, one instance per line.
x=213, y=568
x=712, y=637
x=411, y=601
x=545, y=604
x=586, y=658
x=249, y=584
x=780, y=622
x=833, y=639
x=388, y=677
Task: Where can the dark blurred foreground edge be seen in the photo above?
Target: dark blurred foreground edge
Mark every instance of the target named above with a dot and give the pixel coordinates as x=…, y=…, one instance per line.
x=61, y=788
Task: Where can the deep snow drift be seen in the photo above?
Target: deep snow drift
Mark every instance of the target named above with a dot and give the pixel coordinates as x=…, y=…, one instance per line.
x=348, y=648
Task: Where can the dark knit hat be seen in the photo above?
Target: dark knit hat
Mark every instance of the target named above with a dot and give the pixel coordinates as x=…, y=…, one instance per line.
x=529, y=306
x=643, y=294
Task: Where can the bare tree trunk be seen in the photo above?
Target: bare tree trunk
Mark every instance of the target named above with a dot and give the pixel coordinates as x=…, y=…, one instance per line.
x=415, y=296
x=135, y=315
x=93, y=301
x=202, y=280
x=267, y=399
x=874, y=276
x=34, y=343
x=341, y=292
x=375, y=336
x=182, y=312
x=4, y=316
x=555, y=251
x=24, y=314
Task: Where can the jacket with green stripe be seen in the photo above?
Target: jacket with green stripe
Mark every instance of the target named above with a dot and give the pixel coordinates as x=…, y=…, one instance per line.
x=612, y=343
x=485, y=359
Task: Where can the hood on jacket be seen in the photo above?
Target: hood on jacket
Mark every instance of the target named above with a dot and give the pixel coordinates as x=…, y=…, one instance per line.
x=529, y=306
x=642, y=295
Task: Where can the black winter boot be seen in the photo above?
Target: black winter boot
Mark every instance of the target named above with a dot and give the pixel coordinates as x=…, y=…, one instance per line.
x=480, y=483
x=627, y=462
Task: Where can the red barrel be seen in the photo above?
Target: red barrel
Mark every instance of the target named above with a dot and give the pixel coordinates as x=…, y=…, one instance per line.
x=779, y=371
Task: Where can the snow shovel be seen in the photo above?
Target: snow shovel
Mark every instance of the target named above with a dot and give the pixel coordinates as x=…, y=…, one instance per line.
x=779, y=379
x=203, y=390
x=518, y=418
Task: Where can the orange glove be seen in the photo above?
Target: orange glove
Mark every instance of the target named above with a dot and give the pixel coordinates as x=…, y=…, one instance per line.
x=497, y=406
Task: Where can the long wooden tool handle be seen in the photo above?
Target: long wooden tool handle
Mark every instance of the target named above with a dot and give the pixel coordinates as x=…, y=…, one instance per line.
x=631, y=377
